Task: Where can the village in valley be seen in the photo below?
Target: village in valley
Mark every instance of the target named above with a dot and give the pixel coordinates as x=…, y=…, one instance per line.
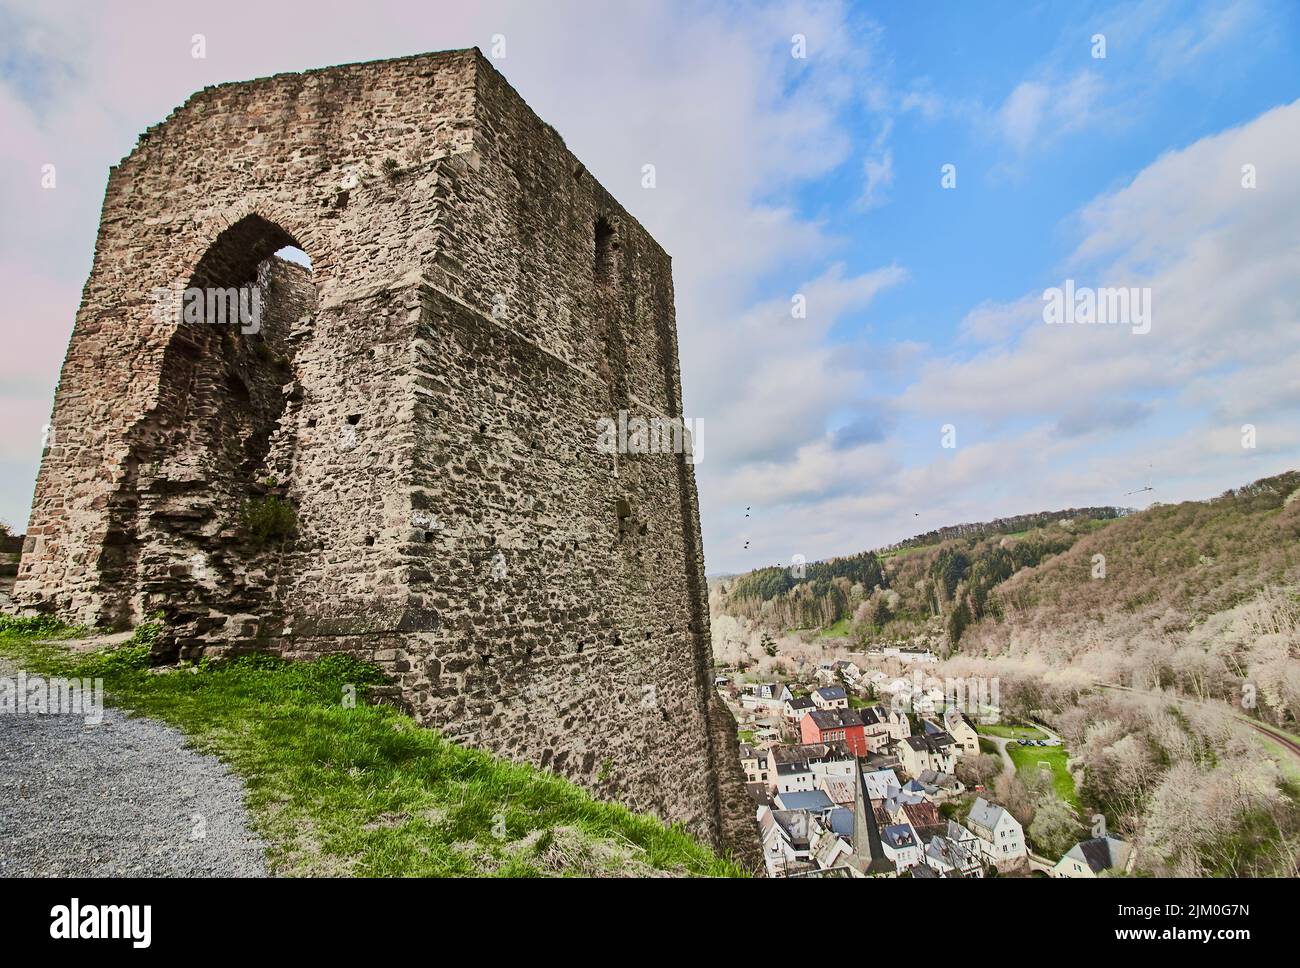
x=854, y=772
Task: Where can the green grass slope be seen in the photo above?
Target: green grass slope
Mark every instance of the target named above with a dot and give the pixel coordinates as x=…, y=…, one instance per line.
x=362, y=790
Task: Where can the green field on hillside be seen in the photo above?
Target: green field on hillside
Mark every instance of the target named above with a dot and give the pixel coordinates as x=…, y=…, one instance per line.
x=1030, y=759
x=1010, y=732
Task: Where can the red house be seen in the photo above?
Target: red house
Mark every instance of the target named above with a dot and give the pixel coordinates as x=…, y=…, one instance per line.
x=832, y=726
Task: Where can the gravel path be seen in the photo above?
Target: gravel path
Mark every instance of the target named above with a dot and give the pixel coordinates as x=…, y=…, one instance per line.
x=121, y=798
x=1008, y=764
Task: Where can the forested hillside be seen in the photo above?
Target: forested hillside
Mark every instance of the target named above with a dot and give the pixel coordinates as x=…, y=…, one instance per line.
x=911, y=590
x=1012, y=525
x=1196, y=606
x=824, y=594
x=1202, y=596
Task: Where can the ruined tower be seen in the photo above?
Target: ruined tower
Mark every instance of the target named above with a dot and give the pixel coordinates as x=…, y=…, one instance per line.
x=399, y=460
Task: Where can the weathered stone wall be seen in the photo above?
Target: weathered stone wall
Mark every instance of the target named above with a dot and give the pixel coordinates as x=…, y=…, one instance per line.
x=426, y=400
x=11, y=547
x=203, y=455
x=292, y=159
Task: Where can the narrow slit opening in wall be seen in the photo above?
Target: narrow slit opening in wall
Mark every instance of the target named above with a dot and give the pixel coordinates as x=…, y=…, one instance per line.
x=623, y=516
x=606, y=252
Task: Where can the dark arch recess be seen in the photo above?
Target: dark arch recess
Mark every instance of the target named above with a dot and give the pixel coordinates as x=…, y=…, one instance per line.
x=234, y=255
x=220, y=402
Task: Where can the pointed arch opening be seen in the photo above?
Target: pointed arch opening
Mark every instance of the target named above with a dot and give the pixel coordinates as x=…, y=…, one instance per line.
x=206, y=510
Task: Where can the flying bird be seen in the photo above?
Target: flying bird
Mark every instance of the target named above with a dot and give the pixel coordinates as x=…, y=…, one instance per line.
x=1141, y=489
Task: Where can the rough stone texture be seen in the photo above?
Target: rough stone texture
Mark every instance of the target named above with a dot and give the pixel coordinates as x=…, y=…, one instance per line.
x=11, y=547
x=426, y=400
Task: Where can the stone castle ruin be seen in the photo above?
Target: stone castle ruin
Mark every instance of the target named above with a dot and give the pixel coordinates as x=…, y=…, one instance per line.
x=396, y=458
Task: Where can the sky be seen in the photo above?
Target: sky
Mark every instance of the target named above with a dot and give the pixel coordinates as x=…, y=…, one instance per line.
x=862, y=328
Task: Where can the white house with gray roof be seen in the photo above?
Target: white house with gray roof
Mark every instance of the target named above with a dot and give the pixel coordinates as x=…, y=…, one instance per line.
x=901, y=845
x=830, y=697
x=1093, y=858
x=1000, y=834
x=962, y=731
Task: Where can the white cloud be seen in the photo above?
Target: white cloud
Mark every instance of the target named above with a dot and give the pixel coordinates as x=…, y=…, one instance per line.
x=1220, y=261
x=1038, y=113
x=1147, y=44
x=784, y=381
x=879, y=170
x=1053, y=416
x=736, y=128
x=733, y=124
x=991, y=321
x=925, y=102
